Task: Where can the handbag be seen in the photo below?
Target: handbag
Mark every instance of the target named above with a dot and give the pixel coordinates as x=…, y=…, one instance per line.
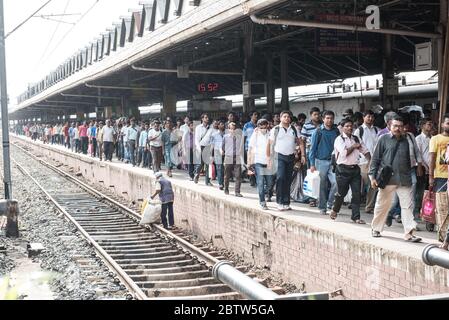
x=386, y=172
x=428, y=207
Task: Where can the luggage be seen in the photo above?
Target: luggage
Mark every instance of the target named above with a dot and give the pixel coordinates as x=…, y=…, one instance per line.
x=311, y=186
x=152, y=213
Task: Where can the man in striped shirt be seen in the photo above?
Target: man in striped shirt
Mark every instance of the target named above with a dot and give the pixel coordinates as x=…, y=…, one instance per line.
x=309, y=127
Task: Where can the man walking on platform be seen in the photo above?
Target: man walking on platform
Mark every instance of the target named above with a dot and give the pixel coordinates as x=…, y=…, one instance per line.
x=438, y=173
x=200, y=148
x=347, y=149
x=108, y=140
x=392, y=154
x=320, y=159
x=367, y=135
x=281, y=149
x=83, y=137
x=233, y=158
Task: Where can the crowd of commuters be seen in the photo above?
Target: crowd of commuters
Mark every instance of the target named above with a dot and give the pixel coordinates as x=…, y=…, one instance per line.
x=273, y=152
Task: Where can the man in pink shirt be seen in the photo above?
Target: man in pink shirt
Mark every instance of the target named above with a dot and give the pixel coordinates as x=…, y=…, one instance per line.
x=84, y=138
x=347, y=150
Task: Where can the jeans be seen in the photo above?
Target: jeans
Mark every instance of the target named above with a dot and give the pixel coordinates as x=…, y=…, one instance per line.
x=132, y=150
x=198, y=168
x=94, y=147
x=326, y=175
x=167, y=156
x=77, y=145
x=167, y=208
x=237, y=170
x=284, y=178
x=191, y=165
x=143, y=157
x=220, y=174
x=84, y=144
x=156, y=154
x=108, y=149
x=348, y=176
x=264, y=181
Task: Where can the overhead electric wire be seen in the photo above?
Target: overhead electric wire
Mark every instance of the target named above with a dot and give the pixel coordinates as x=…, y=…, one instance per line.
x=27, y=19
x=71, y=29
x=53, y=35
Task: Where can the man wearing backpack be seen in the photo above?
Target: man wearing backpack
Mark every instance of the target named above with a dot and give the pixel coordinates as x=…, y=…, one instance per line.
x=367, y=134
x=281, y=149
x=320, y=159
x=347, y=149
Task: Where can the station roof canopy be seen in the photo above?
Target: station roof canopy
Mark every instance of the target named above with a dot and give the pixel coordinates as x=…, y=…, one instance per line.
x=184, y=43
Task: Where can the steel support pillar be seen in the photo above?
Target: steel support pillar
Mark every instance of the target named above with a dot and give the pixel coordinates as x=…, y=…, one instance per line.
x=271, y=98
x=284, y=80
x=108, y=112
x=169, y=102
x=248, y=72
x=387, y=72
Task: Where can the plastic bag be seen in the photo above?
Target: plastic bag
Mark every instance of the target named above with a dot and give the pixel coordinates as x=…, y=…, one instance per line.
x=152, y=213
x=428, y=207
x=348, y=197
x=311, y=186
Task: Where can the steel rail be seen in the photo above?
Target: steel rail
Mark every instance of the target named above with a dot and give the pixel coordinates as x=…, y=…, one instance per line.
x=210, y=260
x=223, y=271
x=204, y=256
x=127, y=281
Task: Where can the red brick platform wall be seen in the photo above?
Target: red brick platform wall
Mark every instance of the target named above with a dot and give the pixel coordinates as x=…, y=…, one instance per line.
x=323, y=261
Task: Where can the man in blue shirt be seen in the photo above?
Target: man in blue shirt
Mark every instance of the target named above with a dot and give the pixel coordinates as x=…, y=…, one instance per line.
x=322, y=147
x=248, y=130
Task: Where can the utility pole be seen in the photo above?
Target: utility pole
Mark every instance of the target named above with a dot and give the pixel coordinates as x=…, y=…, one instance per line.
x=4, y=107
x=8, y=207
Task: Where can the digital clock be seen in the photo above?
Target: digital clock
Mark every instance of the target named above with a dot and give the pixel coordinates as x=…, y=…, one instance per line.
x=208, y=87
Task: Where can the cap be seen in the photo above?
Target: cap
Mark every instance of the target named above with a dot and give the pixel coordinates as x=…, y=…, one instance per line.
x=158, y=175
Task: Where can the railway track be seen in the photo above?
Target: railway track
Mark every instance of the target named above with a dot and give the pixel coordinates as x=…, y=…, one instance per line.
x=151, y=262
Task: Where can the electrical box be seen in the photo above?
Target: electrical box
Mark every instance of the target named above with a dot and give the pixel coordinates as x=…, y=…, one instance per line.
x=425, y=56
x=254, y=89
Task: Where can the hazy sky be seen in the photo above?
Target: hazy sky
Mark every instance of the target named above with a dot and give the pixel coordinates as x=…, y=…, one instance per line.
x=41, y=45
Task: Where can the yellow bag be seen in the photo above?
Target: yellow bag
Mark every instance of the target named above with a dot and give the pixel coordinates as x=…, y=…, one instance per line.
x=144, y=205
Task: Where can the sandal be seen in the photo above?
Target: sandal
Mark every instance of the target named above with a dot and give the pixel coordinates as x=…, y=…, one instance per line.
x=334, y=215
x=359, y=221
x=413, y=239
x=375, y=234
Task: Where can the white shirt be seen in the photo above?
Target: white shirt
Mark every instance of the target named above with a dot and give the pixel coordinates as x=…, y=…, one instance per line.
x=131, y=133
x=258, y=144
x=155, y=134
x=423, y=143
x=124, y=132
x=108, y=134
x=200, y=133
x=369, y=139
x=184, y=128
x=286, y=141
x=77, y=133
x=342, y=144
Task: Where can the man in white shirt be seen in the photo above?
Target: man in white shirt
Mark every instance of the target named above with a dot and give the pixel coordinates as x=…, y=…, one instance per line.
x=257, y=156
x=200, y=148
x=124, y=133
x=108, y=140
x=367, y=133
x=131, y=135
x=185, y=127
x=155, y=141
x=423, y=142
x=281, y=150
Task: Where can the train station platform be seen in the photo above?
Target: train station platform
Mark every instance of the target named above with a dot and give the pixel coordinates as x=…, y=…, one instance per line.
x=307, y=249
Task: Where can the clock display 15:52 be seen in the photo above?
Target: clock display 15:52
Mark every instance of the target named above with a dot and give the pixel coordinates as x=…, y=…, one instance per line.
x=208, y=87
